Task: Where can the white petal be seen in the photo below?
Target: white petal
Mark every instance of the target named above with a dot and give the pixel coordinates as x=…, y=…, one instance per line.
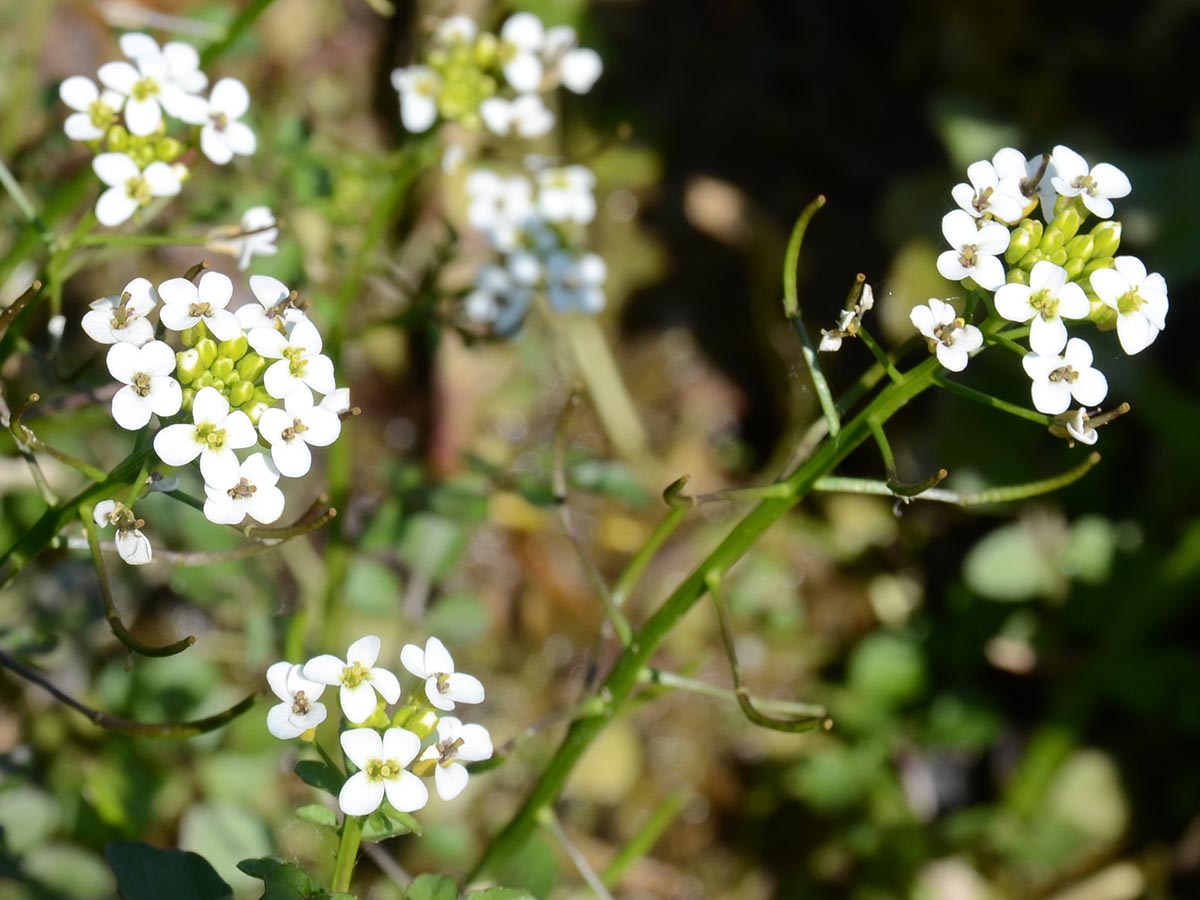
x=953, y=359
x=1079, y=356
x=267, y=290
x=215, y=289
x=157, y=358
x=229, y=96
x=239, y=430
x=1090, y=387
x=386, y=683
x=239, y=138
x=436, y=697
x=271, y=425
x=922, y=318
x=324, y=669
x=364, y=651
x=1073, y=302
x=315, y=716
x=406, y=792
x=305, y=335
x=129, y=410
x=279, y=722
x=950, y=268
x=1135, y=333
x=525, y=30
x=1047, y=336
x=120, y=76
x=1109, y=285
x=102, y=511
x=524, y=72
x=219, y=468
x=223, y=324
x=418, y=111
x=124, y=361
x=135, y=44
x=497, y=115
x=115, y=206
x=1069, y=164
x=210, y=406
x=267, y=342
x=476, y=743
x=1051, y=397
x=79, y=93
x=212, y=145
x=988, y=273
x=175, y=316
x=1012, y=302
x=292, y=458
x=179, y=291
x=450, y=780
x=266, y=506
x=79, y=127
x=959, y=229
x=360, y=796
x=1111, y=181
x=437, y=657
x=279, y=380
x=277, y=678
x=968, y=339
x=1098, y=206
x=358, y=703
x=323, y=426
x=463, y=688
x=401, y=745
x=580, y=69
x=133, y=547
x=176, y=445
x=162, y=180
x=412, y=658
x=318, y=374
x=186, y=107
x=142, y=117
x=114, y=169
x=1132, y=268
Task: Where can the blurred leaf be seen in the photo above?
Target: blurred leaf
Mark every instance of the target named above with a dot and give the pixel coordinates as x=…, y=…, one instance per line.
x=28, y=817
x=224, y=834
x=606, y=476
x=1014, y=562
x=887, y=669
x=387, y=822
x=283, y=880
x=500, y=893
x=1089, y=553
x=458, y=619
x=431, y=545
x=146, y=873
x=69, y=871
x=317, y=815
x=372, y=586
x=432, y=887
x=318, y=774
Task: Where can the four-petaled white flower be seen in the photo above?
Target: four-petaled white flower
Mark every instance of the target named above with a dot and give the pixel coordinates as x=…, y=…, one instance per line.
x=1046, y=300
x=522, y=39
x=223, y=135
x=300, y=361
x=526, y=116
x=95, y=110
x=1031, y=179
x=443, y=686
x=150, y=91
x=299, y=710
x=1096, y=187
x=989, y=193
x=359, y=678
x=182, y=60
x=976, y=250
x=1056, y=379
x=275, y=307
x=418, y=87
x=149, y=388
x=292, y=430
x=1139, y=299
x=380, y=762
x=254, y=236
x=213, y=437
x=186, y=304
x=576, y=284
x=114, y=319
x=456, y=741
x=565, y=195
x=499, y=207
x=130, y=188
x=255, y=494
x=946, y=333
x=132, y=546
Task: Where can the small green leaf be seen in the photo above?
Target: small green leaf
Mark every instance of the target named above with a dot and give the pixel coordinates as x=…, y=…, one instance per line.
x=387, y=822
x=318, y=815
x=501, y=893
x=283, y=880
x=432, y=887
x=317, y=774
x=143, y=871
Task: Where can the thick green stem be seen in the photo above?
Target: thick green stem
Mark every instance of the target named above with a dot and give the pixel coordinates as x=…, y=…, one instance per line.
x=623, y=678
x=347, y=853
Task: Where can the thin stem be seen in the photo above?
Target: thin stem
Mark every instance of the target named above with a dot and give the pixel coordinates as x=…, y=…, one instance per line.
x=24, y=436
x=9, y=182
x=173, y=730
x=696, y=686
x=1002, y=339
x=328, y=760
x=347, y=853
x=644, y=839
x=885, y=448
x=616, y=618
x=120, y=632
x=791, y=307
x=637, y=566
x=943, y=380
x=550, y=823
x=144, y=240
x=241, y=22
x=14, y=309
x=880, y=357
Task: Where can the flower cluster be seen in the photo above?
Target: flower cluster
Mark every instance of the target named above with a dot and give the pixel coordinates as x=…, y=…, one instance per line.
x=243, y=378
x=475, y=77
x=537, y=226
x=126, y=116
x=386, y=751
x=1042, y=274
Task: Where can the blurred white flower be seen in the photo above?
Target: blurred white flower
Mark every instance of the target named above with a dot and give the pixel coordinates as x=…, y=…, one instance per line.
x=498, y=300
x=150, y=91
x=182, y=60
x=443, y=686
x=380, y=762
x=223, y=135
x=499, y=207
x=526, y=116
x=359, y=678
x=522, y=38
x=566, y=194
x=576, y=283
x=299, y=710
x=95, y=110
x=254, y=236
x=418, y=87
x=130, y=188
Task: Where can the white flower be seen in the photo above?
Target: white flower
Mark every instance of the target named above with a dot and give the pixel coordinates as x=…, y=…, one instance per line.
x=988, y=193
x=182, y=60
x=576, y=283
x=254, y=236
x=1056, y=379
x=292, y=430
x=255, y=494
x=359, y=678
x=443, y=686
x=95, y=110
x=213, y=437
x=1046, y=300
x=522, y=39
x=1097, y=187
x=1078, y=427
x=831, y=341
x=527, y=116
x=1013, y=168
x=132, y=546
x=113, y=319
x=498, y=300
x=300, y=361
x=380, y=762
x=579, y=69
x=150, y=92
x=455, y=30
x=975, y=250
x=275, y=307
x=501, y=208
x=1140, y=301
x=565, y=195
x=951, y=337
x=149, y=388
x=299, y=710
x=130, y=188
x=337, y=401
x=186, y=304
x=418, y=87
x=456, y=741
x=223, y=135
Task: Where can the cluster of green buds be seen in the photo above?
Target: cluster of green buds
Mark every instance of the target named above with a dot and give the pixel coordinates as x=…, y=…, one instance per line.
x=143, y=150
x=466, y=66
x=230, y=366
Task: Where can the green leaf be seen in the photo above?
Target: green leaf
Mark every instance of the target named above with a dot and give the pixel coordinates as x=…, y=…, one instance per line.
x=283, y=880
x=320, y=775
x=432, y=887
x=143, y=872
x=431, y=545
x=387, y=822
x=501, y=893
x=318, y=815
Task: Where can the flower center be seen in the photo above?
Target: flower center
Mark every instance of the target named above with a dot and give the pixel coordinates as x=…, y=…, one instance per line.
x=946, y=333
x=382, y=769
x=301, y=704
x=443, y=682
x=968, y=256
x=1065, y=373
x=297, y=427
x=1130, y=302
x=100, y=114
x=296, y=360
x=446, y=751
x=141, y=384
x=144, y=89
x=243, y=490
x=200, y=309
x=120, y=314
x=353, y=676
x=1045, y=303
x=220, y=121
x=138, y=188
x=983, y=200
x=1087, y=183
x=212, y=437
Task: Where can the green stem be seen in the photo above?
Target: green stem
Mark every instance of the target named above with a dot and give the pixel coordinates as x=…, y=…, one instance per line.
x=623, y=678
x=637, y=566
x=347, y=853
x=880, y=357
x=696, y=686
x=943, y=380
x=644, y=840
x=241, y=22
x=144, y=240
x=9, y=182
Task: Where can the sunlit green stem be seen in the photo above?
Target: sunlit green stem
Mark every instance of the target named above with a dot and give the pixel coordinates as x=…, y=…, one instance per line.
x=637, y=566
x=943, y=380
x=880, y=357
x=644, y=839
x=347, y=853
x=696, y=686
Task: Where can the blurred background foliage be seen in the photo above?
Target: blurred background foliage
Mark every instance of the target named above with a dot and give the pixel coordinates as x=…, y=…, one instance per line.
x=1014, y=690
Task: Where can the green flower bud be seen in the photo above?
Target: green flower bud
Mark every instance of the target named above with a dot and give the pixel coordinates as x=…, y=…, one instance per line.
x=241, y=393
x=222, y=368
x=422, y=722
x=256, y=406
x=205, y=379
x=218, y=384
x=251, y=367
x=1074, y=268
x=1017, y=276
x=1059, y=256
x=168, y=150
x=188, y=396
x=1031, y=259
x=1097, y=263
x=191, y=335
x=1082, y=246
x=485, y=49
x=1108, y=238
x=1062, y=229
x=187, y=366
x=207, y=348
x=1024, y=238
x=234, y=349
x=118, y=139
